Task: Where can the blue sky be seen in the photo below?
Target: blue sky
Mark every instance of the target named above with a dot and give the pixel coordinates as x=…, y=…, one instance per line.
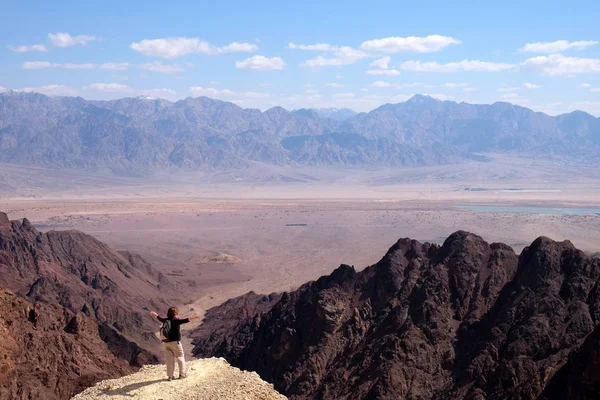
x=541, y=54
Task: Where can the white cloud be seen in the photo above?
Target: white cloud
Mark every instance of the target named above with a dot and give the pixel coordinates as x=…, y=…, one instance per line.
x=381, y=63
x=528, y=85
x=220, y=93
x=160, y=93
x=237, y=47
x=210, y=92
x=334, y=85
x=557, y=46
x=311, y=47
x=63, y=39
x=514, y=98
x=261, y=63
x=584, y=85
x=2, y=89
x=158, y=66
x=172, y=47
x=595, y=90
x=25, y=48
x=109, y=87
x=557, y=64
x=509, y=89
x=51, y=90
x=75, y=66
x=385, y=72
x=454, y=85
x=114, y=66
x=45, y=64
x=381, y=84
x=364, y=89
x=37, y=65
x=343, y=95
x=413, y=44
x=384, y=84
x=464, y=65
x=340, y=56
x=311, y=91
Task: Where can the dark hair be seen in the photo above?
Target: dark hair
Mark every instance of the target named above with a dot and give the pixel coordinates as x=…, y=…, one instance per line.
x=172, y=313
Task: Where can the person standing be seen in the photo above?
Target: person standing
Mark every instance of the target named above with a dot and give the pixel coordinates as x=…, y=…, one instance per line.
x=171, y=337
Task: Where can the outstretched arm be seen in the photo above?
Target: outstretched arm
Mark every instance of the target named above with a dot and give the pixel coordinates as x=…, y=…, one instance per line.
x=186, y=320
x=157, y=317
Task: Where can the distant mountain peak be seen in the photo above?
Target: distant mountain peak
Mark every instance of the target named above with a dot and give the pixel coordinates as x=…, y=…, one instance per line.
x=421, y=98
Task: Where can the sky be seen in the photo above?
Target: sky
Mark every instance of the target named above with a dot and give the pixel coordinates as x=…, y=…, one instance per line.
x=543, y=55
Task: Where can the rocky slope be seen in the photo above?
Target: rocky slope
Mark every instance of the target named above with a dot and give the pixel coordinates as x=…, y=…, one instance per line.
x=51, y=354
x=465, y=320
x=84, y=275
x=200, y=133
x=208, y=379
x=96, y=300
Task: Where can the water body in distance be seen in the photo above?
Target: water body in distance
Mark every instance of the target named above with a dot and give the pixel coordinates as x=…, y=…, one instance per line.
x=530, y=209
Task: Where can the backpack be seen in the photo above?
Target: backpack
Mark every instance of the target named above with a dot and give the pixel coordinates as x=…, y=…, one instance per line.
x=165, y=330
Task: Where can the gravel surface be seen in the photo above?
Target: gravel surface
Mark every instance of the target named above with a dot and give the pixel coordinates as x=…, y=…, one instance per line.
x=208, y=379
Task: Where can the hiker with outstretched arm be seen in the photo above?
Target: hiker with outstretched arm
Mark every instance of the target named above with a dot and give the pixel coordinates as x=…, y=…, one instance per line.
x=170, y=334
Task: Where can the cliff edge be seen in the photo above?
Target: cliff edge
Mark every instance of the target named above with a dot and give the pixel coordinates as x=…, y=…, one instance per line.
x=208, y=379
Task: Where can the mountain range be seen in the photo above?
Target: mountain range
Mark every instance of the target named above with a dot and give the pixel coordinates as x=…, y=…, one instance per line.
x=464, y=320
x=203, y=133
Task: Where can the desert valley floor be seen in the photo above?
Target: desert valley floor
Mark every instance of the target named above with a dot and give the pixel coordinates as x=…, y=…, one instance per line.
x=224, y=247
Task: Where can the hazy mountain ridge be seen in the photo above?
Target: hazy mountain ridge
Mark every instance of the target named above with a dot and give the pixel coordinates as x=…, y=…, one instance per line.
x=338, y=114
x=465, y=320
x=204, y=133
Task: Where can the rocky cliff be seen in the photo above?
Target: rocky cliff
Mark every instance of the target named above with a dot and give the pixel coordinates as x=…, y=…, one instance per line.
x=90, y=304
x=465, y=320
x=49, y=352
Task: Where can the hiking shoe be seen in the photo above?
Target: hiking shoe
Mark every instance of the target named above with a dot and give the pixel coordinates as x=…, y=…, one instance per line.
x=170, y=378
x=182, y=376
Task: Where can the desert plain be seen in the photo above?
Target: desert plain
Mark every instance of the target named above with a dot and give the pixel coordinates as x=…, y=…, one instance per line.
x=223, y=235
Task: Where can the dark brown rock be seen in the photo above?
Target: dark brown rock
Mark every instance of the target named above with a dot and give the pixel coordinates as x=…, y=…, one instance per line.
x=53, y=356
x=465, y=320
x=93, y=293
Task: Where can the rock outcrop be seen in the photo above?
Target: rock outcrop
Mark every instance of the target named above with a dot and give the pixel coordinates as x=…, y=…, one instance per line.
x=208, y=379
x=48, y=352
x=72, y=307
x=465, y=320
x=84, y=275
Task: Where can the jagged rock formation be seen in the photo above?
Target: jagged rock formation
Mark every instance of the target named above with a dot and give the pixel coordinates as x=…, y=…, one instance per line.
x=232, y=328
x=140, y=134
x=212, y=379
x=97, y=298
x=465, y=320
x=50, y=352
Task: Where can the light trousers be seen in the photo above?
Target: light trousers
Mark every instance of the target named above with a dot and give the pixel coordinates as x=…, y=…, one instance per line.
x=174, y=351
